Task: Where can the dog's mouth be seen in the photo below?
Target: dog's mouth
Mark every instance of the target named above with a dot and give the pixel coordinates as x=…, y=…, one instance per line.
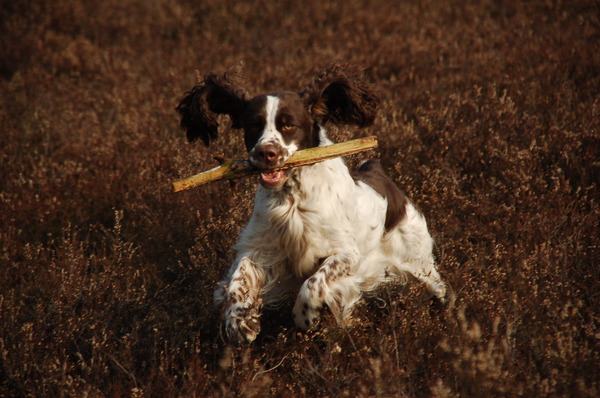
x=273, y=179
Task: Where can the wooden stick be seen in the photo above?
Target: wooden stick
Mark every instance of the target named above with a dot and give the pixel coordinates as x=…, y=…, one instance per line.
x=230, y=168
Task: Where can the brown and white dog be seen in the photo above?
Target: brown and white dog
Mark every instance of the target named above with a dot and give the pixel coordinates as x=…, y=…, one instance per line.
x=318, y=232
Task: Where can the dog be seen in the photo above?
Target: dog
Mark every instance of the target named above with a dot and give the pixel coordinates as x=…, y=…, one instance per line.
x=319, y=232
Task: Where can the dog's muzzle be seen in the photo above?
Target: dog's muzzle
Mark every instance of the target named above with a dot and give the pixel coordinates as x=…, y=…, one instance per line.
x=268, y=158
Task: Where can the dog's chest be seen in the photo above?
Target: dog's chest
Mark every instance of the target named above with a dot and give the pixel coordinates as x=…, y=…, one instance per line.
x=308, y=222
x=312, y=230
x=303, y=235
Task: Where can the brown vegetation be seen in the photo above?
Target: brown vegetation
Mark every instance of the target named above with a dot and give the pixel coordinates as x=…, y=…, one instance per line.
x=490, y=121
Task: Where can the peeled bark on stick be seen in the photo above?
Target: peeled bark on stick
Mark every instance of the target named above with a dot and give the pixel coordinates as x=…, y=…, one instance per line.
x=232, y=168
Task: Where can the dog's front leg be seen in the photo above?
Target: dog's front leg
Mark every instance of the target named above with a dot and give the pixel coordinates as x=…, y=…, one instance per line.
x=241, y=302
x=334, y=285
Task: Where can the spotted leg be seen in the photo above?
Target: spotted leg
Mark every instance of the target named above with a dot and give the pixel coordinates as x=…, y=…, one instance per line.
x=333, y=285
x=241, y=302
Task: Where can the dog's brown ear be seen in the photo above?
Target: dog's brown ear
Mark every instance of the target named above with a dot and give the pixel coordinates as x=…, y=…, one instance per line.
x=340, y=94
x=216, y=94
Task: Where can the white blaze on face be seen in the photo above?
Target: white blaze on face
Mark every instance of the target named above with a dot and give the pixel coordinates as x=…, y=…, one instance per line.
x=270, y=133
x=272, y=137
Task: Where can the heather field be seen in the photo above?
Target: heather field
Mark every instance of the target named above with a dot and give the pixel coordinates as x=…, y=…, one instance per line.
x=490, y=121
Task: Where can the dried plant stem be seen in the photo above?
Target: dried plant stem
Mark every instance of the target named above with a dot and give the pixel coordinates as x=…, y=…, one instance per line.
x=233, y=168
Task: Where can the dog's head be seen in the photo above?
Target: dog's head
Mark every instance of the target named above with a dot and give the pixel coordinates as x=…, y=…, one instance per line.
x=278, y=124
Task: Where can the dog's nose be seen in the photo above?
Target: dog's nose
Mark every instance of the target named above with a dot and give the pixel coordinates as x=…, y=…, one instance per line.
x=266, y=153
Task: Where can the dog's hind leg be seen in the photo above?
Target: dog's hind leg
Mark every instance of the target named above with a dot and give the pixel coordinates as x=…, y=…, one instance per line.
x=409, y=248
x=426, y=272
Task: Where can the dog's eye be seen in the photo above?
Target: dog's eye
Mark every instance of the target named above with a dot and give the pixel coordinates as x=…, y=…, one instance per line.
x=287, y=127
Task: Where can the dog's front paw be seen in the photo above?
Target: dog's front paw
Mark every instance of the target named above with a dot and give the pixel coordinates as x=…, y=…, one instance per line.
x=306, y=317
x=242, y=325
x=242, y=330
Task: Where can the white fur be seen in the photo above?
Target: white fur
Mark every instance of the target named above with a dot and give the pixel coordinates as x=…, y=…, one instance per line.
x=323, y=215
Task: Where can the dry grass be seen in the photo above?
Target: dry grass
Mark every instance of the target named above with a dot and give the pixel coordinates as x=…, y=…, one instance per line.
x=491, y=121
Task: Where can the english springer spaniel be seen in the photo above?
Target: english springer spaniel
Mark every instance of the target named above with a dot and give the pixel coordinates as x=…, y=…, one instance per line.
x=320, y=232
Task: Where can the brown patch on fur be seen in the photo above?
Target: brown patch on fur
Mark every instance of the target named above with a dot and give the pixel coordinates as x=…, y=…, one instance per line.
x=321, y=293
x=293, y=112
x=372, y=174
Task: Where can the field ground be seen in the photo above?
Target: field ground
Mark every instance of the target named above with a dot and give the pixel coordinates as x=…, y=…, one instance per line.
x=490, y=122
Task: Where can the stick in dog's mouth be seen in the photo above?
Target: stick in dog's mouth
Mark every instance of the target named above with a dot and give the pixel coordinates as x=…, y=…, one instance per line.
x=230, y=168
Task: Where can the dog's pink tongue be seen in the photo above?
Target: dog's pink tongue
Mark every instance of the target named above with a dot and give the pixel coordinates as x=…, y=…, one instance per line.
x=271, y=177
